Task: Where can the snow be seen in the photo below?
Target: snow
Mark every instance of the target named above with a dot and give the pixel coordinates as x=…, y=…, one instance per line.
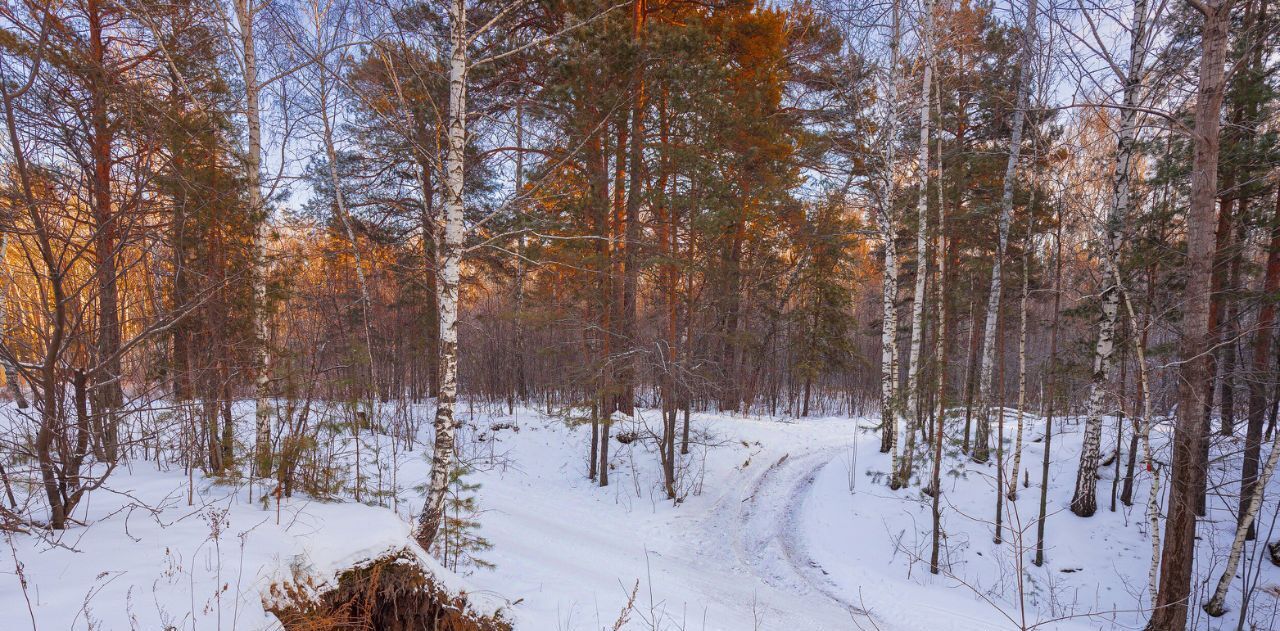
x=786, y=525
x=151, y=560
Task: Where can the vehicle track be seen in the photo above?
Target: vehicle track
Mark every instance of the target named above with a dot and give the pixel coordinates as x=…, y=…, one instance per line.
x=768, y=539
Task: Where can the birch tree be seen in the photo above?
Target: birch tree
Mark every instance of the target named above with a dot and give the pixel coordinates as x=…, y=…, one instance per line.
x=246, y=11
x=450, y=248
x=922, y=251
x=940, y=353
x=1022, y=376
x=1216, y=605
x=1084, y=501
x=982, y=434
x=450, y=256
x=1144, y=430
x=889, y=287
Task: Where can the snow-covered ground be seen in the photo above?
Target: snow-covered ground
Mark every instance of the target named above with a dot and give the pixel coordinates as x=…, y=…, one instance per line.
x=786, y=525
x=162, y=551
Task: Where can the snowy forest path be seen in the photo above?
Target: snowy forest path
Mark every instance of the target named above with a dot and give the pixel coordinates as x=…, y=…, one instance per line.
x=769, y=516
x=760, y=519
x=770, y=526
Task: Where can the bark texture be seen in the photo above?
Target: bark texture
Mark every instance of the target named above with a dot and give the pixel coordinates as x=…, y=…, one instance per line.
x=1186, y=486
x=922, y=257
x=450, y=268
x=1084, y=501
x=253, y=184
x=981, y=449
x=889, y=288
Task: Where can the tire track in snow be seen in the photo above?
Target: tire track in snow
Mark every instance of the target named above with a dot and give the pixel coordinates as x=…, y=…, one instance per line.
x=769, y=541
x=767, y=538
x=881, y=607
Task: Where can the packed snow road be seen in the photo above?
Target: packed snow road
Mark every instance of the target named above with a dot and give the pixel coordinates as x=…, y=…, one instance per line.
x=785, y=526
x=727, y=558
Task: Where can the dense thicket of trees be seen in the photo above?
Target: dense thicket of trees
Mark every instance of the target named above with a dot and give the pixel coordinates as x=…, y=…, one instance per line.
x=794, y=210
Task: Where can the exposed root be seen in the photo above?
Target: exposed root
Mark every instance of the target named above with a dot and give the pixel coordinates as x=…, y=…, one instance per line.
x=391, y=593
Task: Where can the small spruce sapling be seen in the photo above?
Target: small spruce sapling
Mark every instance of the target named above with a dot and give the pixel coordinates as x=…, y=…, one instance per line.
x=460, y=542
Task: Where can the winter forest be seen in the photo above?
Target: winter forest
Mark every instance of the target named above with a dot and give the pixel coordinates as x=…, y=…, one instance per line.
x=665, y=315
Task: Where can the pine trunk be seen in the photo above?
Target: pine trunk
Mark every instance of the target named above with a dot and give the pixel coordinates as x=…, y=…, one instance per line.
x=1177, y=559
x=1262, y=376
x=108, y=395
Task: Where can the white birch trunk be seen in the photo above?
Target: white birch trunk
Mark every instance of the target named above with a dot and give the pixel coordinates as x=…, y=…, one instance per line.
x=450, y=264
x=1022, y=376
x=940, y=245
x=889, y=288
x=1084, y=502
x=982, y=434
x=940, y=355
x=1216, y=605
x=1153, y=498
x=253, y=182
x=922, y=248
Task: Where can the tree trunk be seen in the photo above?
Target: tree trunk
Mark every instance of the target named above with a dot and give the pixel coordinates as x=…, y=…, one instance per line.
x=970, y=367
x=50, y=390
x=981, y=449
x=450, y=268
x=889, y=288
x=1177, y=559
x=108, y=396
x=1050, y=391
x=1217, y=286
x=1126, y=492
x=939, y=428
x=922, y=257
x=1084, y=501
x=635, y=184
x=1231, y=325
x=1120, y=419
x=1022, y=375
x=1000, y=480
x=1262, y=376
x=606, y=423
x=245, y=14
x=1147, y=421
x=1216, y=605
x=344, y=216
x=521, y=379
x=593, y=455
